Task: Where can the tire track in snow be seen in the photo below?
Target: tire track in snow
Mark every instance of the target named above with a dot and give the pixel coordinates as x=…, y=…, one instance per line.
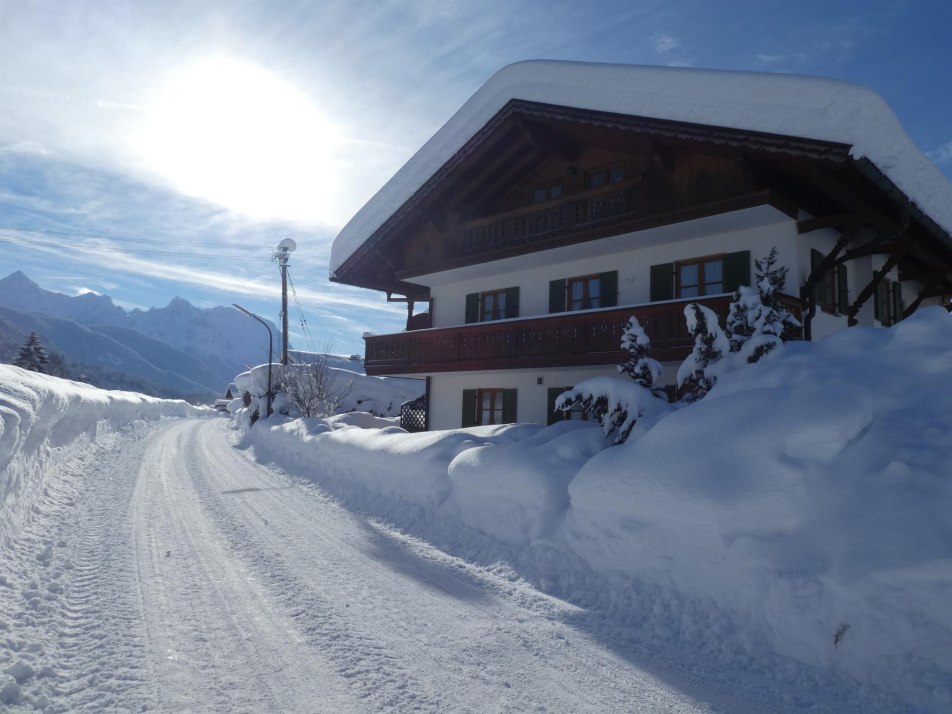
x=216, y=641
x=80, y=646
x=415, y=629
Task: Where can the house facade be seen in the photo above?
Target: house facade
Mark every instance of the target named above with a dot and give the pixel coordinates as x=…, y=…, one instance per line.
x=565, y=197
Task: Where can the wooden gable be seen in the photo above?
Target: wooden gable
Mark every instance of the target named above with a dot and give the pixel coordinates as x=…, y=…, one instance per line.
x=539, y=176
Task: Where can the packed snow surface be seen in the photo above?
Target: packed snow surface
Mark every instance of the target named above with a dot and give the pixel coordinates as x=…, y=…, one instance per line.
x=781, y=546
x=788, y=105
x=799, y=511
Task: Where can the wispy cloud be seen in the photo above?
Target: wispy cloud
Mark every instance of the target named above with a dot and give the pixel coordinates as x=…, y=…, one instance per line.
x=943, y=154
x=664, y=43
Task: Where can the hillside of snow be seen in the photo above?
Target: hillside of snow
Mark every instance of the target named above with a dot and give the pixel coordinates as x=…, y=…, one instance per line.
x=794, y=523
x=44, y=418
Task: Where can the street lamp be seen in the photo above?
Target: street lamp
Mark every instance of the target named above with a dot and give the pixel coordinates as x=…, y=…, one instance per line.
x=270, y=346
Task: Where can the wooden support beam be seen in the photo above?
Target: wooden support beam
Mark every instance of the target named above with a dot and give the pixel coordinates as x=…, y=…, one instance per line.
x=867, y=292
x=851, y=201
x=928, y=290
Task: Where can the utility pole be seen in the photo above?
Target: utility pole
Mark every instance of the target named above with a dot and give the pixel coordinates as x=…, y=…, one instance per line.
x=285, y=248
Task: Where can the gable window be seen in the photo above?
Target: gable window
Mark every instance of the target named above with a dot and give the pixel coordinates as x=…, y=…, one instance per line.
x=604, y=176
x=488, y=406
x=715, y=274
x=584, y=292
x=704, y=276
x=492, y=305
x=548, y=192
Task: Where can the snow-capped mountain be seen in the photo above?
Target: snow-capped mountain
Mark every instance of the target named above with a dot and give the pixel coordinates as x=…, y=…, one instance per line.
x=180, y=347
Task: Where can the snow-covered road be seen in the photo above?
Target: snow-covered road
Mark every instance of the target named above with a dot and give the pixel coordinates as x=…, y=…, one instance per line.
x=170, y=571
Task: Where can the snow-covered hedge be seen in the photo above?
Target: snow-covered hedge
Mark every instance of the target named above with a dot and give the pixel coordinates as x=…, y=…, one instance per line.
x=40, y=414
x=807, y=497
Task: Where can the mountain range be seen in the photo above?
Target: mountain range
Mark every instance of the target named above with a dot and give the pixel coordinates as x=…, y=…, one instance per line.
x=175, y=351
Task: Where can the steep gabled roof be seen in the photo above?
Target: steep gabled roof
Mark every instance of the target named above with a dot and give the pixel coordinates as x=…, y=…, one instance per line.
x=784, y=105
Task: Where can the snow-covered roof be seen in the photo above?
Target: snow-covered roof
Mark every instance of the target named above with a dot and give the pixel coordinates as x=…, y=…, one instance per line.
x=788, y=105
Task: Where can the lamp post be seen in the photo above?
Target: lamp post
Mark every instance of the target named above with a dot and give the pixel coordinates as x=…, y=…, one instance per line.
x=270, y=348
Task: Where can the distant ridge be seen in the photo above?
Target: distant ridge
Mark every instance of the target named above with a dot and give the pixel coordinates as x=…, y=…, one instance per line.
x=179, y=350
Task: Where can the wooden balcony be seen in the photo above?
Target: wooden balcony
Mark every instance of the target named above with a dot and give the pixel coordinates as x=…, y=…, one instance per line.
x=560, y=340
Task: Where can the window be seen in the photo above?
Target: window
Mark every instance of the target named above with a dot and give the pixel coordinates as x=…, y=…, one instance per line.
x=832, y=292
x=700, y=276
x=574, y=414
x=604, y=176
x=584, y=292
x=492, y=305
x=549, y=192
x=887, y=302
x=488, y=406
x=704, y=276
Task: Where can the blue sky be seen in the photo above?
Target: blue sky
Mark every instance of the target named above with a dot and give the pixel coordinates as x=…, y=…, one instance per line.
x=158, y=149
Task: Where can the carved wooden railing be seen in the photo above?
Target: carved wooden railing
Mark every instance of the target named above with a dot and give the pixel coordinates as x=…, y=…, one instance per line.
x=558, y=340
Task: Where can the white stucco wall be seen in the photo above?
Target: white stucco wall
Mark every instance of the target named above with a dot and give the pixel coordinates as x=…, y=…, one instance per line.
x=533, y=274
x=446, y=391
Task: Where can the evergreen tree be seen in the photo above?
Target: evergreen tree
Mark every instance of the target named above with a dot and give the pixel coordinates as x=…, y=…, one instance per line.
x=639, y=366
x=696, y=376
x=32, y=356
x=757, y=321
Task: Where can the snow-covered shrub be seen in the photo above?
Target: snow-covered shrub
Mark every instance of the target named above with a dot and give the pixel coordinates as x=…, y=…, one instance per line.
x=313, y=390
x=696, y=376
x=614, y=403
x=757, y=321
x=639, y=366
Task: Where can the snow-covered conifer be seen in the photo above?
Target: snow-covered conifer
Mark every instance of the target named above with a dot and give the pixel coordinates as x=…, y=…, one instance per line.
x=32, y=356
x=757, y=321
x=615, y=403
x=639, y=366
x=695, y=376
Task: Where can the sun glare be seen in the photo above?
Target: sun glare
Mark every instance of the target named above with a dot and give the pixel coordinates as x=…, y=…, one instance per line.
x=237, y=135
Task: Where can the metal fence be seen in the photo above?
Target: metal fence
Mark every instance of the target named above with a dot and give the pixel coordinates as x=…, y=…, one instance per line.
x=413, y=415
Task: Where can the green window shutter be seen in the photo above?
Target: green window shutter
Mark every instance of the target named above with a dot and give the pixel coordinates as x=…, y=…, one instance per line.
x=472, y=308
x=469, y=408
x=878, y=301
x=897, y=302
x=842, y=291
x=553, y=394
x=512, y=302
x=819, y=290
x=736, y=270
x=509, y=406
x=662, y=282
x=557, y=296
x=608, y=289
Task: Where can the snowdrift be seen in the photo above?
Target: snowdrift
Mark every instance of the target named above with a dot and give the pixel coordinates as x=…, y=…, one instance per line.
x=805, y=501
x=377, y=395
x=40, y=415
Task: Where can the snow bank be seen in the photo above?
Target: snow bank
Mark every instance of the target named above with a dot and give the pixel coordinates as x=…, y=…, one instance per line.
x=806, y=500
x=788, y=105
x=388, y=461
x=40, y=415
x=809, y=495
x=378, y=395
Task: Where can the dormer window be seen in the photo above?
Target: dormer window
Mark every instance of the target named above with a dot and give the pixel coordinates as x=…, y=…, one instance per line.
x=547, y=192
x=603, y=176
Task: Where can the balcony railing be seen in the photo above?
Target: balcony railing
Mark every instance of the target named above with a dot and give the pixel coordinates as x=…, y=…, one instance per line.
x=558, y=340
